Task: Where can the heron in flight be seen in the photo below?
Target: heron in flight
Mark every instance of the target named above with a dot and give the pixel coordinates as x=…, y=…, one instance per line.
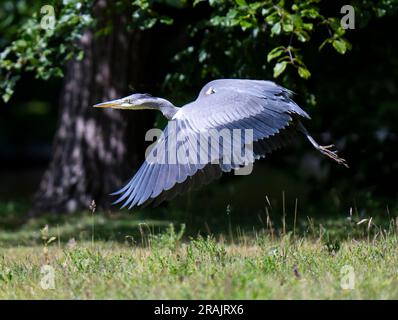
x=263, y=107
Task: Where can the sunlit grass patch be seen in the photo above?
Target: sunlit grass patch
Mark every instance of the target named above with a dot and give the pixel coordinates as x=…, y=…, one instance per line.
x=168, y=266
x=119, y=255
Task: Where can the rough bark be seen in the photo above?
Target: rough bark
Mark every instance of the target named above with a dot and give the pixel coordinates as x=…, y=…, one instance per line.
x=94, y=150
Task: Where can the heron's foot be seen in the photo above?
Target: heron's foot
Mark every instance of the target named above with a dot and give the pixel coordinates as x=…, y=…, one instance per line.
x=327, y=151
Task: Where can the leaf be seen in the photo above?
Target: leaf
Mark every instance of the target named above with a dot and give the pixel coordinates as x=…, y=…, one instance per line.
x=51, y=240
x=340, y=46
x=287, y=27
x=245, y=24
x=7, y=96
x=196, y=2
x=241, y=2
x=166, y=20
x=275, y=53
x=272, y=18
x=304, y=72
x=148, y=24
x=297, y=21
x=279, y=68
x=265, y=11
x=302, y=36
x=80, y=56
x=276, y=29
x=310, y=13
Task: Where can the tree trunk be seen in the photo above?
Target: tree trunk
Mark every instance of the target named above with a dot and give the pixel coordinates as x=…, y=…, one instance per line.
x=95, y=150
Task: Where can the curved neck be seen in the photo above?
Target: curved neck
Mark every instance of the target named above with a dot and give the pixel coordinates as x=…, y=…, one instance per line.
x=166, y=107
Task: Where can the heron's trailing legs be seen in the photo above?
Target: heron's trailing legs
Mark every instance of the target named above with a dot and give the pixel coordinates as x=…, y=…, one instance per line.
x=326, y=150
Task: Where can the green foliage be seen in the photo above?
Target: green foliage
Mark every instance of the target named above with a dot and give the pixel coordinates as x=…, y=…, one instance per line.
x=234, y=39
x=244, y=32
x=12, y=15
x=145, y=17
x=169, y=239
x=41, y=49
x=285, y=21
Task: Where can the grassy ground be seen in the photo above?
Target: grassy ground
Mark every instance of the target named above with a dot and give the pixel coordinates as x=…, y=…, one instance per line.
x=108, y=256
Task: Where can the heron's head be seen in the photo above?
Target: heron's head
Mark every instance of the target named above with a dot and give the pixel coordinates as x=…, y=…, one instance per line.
x=136, y=101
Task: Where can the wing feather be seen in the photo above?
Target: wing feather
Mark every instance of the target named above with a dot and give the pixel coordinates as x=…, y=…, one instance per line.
x=262, y=106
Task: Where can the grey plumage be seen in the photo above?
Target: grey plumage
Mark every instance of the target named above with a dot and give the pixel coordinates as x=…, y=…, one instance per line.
x=262, y=106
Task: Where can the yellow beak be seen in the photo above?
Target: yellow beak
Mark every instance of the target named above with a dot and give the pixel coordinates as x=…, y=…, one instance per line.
x=118, y=103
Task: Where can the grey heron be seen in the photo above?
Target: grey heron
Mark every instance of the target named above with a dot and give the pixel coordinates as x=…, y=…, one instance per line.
x=225, y=104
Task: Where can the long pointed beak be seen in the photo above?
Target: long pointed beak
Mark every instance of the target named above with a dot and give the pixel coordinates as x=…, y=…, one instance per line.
x=110, y=104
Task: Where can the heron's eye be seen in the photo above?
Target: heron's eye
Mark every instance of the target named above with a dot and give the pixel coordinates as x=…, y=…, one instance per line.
x=210, y=91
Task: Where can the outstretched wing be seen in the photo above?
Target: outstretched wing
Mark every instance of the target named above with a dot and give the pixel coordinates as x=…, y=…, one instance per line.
x=262, y=106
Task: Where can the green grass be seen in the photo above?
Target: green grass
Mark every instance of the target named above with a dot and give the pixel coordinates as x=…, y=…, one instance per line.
x=117, y=256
